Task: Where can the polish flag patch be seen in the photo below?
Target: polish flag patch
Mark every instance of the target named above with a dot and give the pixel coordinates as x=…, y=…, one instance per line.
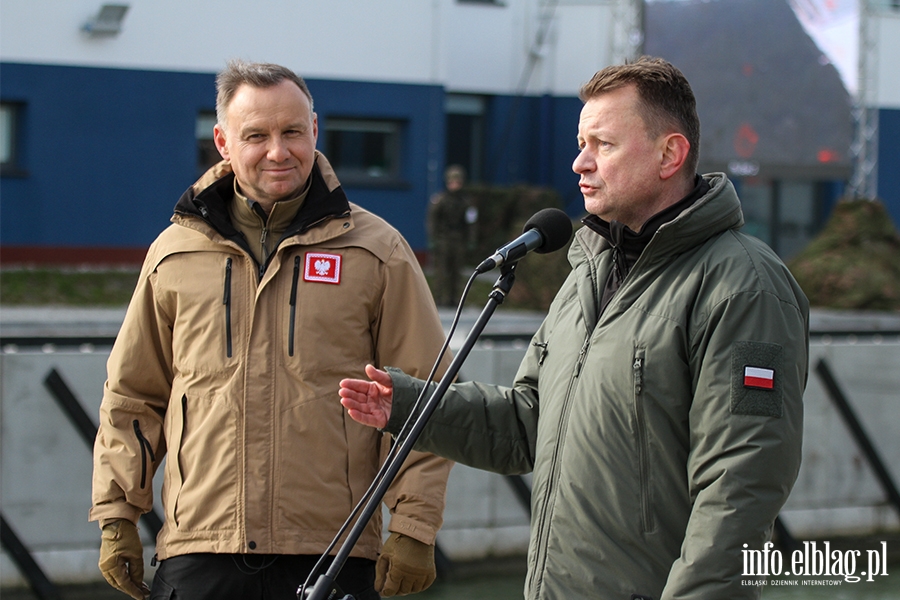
x=759, y=378
x=322, y=268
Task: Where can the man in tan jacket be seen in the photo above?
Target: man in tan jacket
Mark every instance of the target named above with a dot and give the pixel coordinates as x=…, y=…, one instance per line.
x=268, y=288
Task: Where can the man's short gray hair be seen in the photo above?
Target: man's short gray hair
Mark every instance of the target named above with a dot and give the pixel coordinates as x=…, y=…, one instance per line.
x=260, y=75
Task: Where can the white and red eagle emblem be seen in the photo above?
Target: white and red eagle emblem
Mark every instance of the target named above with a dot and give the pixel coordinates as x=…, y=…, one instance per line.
x=322, y=268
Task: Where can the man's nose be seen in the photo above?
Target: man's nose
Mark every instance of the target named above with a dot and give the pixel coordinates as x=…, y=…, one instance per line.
x=582, y=162
x=278, y=150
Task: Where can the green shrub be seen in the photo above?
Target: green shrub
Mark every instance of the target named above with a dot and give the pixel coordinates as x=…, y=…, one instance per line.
x=854, y=262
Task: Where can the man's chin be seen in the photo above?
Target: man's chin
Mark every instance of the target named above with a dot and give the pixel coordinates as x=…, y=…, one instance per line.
x=594, y=207
x=281, y=192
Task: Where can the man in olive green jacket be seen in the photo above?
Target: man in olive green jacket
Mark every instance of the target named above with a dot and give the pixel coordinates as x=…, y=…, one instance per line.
x=660, y=403
x=267, y=289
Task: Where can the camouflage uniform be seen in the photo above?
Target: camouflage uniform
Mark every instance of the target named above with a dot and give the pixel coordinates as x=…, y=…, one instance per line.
x=450, y=217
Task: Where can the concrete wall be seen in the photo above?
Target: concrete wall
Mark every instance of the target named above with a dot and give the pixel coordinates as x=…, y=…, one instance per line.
x=46, y=466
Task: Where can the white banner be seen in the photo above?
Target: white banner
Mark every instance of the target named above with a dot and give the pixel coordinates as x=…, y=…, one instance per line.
x=834, y=27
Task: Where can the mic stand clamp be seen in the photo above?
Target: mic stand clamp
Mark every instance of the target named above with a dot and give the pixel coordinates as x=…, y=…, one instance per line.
x=325, y=588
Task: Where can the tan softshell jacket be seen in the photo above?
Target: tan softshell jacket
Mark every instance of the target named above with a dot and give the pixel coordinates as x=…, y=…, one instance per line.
x=232, y=369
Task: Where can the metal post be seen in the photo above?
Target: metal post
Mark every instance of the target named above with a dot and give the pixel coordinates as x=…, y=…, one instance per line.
x=73, y=408
x=859, y=433
x=42, y=586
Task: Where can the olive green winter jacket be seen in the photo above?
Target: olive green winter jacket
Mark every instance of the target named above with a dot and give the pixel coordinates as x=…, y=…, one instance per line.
x=664, y=434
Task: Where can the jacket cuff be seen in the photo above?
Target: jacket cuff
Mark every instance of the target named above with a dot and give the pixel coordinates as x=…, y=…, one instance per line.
x=406, y=392
x=412, y=528
x=105, y=513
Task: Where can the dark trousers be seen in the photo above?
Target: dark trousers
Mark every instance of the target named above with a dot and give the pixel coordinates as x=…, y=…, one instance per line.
x=253, y=577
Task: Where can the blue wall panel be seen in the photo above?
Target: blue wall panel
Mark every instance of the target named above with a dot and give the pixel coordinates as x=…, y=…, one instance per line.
x=889, y=161
x=533, y=140
x=567, y=112
x=107, y=153
x=421, y=110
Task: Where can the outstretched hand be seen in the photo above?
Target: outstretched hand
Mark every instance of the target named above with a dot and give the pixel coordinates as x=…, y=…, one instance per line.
x=369, y=402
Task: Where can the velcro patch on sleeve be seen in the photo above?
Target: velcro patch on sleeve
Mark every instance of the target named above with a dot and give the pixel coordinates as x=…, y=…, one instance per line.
x=756, y=379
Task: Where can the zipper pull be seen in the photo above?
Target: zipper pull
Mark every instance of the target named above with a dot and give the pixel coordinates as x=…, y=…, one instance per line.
x=543, y=347
x=581, y=355
x=638, y=368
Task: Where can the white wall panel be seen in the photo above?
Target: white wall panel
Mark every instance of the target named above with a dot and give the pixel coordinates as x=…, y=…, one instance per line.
x=465, y=47
x=483, y=46
x=583, y=46
x=889, y=61
x=340, y=39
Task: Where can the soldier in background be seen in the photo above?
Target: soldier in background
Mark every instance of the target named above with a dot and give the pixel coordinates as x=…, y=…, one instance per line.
x=450, y=226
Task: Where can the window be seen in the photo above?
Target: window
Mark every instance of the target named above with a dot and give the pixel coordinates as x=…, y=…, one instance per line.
x=756, y=203
x=207, y=154
x=798, y=209
x=784, y=214
x=364, y=151
x=10, y=142
x=465, y=132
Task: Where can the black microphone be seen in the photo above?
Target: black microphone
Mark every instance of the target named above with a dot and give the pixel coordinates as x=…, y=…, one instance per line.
x=547, y=230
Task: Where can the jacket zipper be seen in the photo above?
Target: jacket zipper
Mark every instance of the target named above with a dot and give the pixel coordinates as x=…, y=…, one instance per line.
x=541, y=561
x=262, y=242
x=226, y=300
x=177, y=458
x=146, y=449
x=642, y=441
x=293, y=303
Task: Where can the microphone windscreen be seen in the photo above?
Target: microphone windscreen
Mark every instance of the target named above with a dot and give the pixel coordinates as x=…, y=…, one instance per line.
x=555, y=227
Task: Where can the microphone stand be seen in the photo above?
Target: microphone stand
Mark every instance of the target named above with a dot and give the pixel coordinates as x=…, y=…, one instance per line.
x=324, y=588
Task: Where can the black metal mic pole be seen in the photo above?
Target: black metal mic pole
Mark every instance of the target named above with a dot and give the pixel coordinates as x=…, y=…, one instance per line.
x=325, y=583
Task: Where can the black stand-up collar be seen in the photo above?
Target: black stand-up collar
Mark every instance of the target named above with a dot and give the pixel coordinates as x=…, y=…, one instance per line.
x=627, y=245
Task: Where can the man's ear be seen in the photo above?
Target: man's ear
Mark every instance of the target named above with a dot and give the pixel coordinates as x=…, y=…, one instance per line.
x=219, y=139
x=674, y=154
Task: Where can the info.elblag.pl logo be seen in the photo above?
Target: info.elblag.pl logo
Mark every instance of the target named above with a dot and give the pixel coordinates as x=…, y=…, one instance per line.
x=815, y=561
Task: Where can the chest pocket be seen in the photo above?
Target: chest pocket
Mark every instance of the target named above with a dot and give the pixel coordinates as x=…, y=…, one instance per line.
x=203, y=293
x=329, y=308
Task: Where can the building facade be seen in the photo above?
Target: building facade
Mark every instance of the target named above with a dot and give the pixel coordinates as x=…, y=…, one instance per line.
x=107, y=110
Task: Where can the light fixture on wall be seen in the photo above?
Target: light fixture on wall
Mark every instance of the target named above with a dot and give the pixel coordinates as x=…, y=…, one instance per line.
x=108, y=21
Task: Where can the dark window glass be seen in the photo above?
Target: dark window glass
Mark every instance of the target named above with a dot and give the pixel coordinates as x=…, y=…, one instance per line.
x=207, y=155
x=10, y=139
x=364, y=151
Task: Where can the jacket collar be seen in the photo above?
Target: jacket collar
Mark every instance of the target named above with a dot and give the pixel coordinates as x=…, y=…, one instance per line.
x=208, y=200
x=686, y=224
x=623, y=237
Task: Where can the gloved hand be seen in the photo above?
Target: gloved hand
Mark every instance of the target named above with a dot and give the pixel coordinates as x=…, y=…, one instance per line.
x=406, y=566
x=122, y=558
